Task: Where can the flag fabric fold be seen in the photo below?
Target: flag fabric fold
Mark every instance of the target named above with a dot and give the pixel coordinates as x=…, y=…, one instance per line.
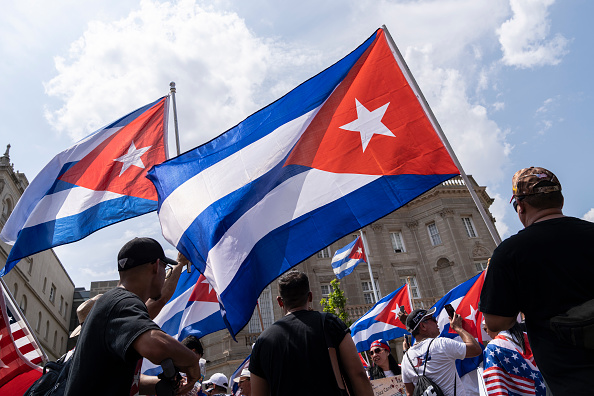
x=341, y=150
x=192, y=310
x=381, y=321
x=346, y=259
x=19, y=353
x=97, y=182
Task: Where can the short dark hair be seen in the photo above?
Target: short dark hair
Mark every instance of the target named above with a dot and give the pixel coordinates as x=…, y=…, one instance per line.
x=551, y=200
x=191, y=342
x=293, y=288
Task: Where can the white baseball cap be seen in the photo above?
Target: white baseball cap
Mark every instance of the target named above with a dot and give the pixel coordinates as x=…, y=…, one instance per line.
x=219, y=379
x=244, y=373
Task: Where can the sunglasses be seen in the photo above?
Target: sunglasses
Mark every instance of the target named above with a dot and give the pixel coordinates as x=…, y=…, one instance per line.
x=375, y=351
x=516, y=200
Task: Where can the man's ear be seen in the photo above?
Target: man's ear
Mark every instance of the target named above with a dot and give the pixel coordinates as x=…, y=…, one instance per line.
x=310, y=296
x=280, y=302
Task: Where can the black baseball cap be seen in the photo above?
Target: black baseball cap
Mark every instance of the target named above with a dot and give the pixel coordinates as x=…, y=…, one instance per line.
x=416, y=317
x=140, y=251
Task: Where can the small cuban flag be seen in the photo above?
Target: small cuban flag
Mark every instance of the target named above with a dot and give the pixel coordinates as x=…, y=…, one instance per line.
x=346, y=259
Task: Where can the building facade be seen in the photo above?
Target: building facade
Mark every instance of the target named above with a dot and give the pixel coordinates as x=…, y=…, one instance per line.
x=39, y=283
x=435, y=242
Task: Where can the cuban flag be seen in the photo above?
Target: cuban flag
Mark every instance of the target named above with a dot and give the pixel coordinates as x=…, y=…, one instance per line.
x=341, y=150
x=95, y=183
x=346, y=259
x=464, y=299
x=382, y=321
x=192, y=310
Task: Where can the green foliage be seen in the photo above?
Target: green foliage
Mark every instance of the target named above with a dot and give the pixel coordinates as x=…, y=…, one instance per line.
x=336, y=302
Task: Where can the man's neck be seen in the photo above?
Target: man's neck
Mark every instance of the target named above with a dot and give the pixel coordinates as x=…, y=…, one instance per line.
x=542, y=215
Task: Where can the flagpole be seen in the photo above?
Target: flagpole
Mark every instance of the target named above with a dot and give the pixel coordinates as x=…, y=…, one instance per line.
x=437, y=127
x=369, y=265
x=24, y=318
x=172, y=90
x=260, y=315
x=412, y=304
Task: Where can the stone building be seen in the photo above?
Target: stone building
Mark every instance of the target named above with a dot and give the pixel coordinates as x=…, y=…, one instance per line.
x=39, y=283
x=436, y=242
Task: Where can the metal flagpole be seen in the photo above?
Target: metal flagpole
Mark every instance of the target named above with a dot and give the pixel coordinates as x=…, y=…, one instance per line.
x=437, y=127
x=369, y=266
x=16, y=307
x=412, y=304
x=172, y=91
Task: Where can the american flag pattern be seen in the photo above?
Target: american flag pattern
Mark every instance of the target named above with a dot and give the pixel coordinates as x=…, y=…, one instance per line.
x=508, y=371
x=18, y=351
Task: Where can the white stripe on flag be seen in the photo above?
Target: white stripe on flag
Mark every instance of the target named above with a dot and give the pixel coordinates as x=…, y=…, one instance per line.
x=340, y=256
x=346, y=266
x=226, y=176
x=304, y=192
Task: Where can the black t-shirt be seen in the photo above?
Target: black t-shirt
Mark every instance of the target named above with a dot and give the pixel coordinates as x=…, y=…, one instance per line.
x=104, y=361
x=543, y=271
x=292, y=354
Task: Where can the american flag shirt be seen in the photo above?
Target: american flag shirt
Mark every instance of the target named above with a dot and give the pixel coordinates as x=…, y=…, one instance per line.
x=509, y=371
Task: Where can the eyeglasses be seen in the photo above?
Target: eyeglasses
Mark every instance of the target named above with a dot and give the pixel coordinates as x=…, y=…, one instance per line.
x=168, y=268
x=516, y=200
x=375, y=351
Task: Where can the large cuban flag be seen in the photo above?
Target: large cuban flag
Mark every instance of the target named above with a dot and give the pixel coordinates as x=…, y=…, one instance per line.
x=346, y=259
x=381, y=321
x=341, y=150
x=95, y=183
x=192, y=310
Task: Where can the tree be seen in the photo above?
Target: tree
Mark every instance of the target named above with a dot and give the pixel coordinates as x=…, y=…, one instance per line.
x=336, y=302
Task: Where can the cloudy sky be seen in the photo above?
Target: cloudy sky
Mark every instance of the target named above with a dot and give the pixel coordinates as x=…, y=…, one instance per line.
x=507, y=80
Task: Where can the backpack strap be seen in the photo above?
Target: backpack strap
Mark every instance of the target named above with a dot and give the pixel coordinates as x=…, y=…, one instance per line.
x=411, y=363
x=427, y=355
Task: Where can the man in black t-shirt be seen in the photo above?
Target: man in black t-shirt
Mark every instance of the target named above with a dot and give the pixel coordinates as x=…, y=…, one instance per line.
x=291, y=357
x=118, y=331
x=543, y=271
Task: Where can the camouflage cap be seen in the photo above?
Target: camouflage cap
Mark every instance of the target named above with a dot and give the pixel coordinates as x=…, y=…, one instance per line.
x=526, y=182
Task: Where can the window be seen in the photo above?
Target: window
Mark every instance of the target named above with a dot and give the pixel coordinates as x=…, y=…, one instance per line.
x=44, y=285
x=38, y=325
x=61, y=345
x=61, y=304
x=52, y=296
x=55, y=340
x=46, y=330
x=65, y=310
x=324, y=253
x=469, y=227
x=397, y=243
x=30, y=265
x=480, y=266
x=412, y=286
x=434, y=234
x=23, y=305
x=265, y=304
x=326, y=289
x=16, y=290
x=368, y=292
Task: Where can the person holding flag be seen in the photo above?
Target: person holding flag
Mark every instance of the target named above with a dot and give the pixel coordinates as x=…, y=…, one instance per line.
x=436, y=356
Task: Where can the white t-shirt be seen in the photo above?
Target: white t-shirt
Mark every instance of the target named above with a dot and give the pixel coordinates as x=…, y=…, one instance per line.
x=441, y=364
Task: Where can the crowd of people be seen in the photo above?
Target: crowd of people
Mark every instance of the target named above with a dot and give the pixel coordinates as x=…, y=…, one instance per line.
x=308, y=352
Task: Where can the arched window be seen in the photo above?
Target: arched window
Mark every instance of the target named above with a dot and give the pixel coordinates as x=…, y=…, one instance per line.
x=55, y=340
x=16, y=290
x=38, y=325
x=44, y=284
x=61, y=345
x=23, y=305
x=7, y=207
x=46, y=330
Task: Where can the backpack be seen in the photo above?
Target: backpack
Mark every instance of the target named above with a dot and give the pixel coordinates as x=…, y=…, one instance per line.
x=425, y=386
x=576, y=326
x=53, y=381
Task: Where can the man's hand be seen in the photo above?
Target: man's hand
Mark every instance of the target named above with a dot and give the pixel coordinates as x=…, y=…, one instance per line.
x=472, y=346
x=456, y=322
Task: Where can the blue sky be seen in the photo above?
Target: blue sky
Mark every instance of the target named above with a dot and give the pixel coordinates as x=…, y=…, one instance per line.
x=509, y=81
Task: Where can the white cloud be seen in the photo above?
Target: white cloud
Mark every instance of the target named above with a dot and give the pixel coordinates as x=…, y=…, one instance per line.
x=216, y=62
x=589, y=216
x=499, y=209
x=524, y=37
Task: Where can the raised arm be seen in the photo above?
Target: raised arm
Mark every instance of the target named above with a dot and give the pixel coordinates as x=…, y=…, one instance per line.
x=472, y=346
x=155, y=306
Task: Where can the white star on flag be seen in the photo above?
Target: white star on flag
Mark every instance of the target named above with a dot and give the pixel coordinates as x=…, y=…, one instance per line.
x=396, y=311
x=359, y=250
x=132, y=157
x=472, y=315
x=368, y=123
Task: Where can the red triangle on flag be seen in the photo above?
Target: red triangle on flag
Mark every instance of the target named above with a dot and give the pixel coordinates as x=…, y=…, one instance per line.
x=390, y=313
x=203, y=291
x=120, y=163
x=373, y=124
